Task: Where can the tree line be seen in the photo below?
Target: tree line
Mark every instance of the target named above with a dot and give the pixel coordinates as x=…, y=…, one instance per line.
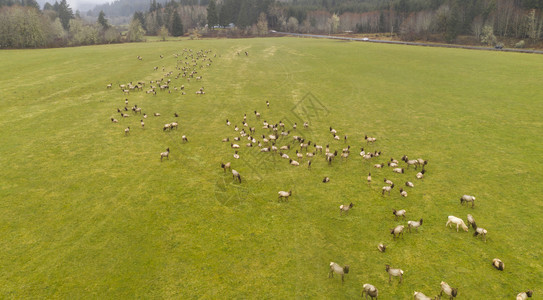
x=23, y=24
x=485, y=20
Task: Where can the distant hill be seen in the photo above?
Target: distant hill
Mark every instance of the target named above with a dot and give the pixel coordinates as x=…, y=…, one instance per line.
x=122, y=8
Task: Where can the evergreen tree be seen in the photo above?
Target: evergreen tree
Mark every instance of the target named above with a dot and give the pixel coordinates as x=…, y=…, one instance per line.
x=153, y=6
x=177, y=25
x=212, y=17
x=243, y=17
x=102, y=20
x=65, y=14
x=453, y=25
x=224, y=17
x=140, y=16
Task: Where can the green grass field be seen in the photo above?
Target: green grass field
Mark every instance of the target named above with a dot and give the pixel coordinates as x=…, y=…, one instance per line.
x=87, y=212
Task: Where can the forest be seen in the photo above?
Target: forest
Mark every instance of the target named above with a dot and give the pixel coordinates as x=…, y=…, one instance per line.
x=487, y=22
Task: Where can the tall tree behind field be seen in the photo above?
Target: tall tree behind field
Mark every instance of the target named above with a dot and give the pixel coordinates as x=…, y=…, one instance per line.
x=224, y=18
x=262, y=24
x=141, y=17
x=65, y=13
x=242, y=13
x=177, y=25
x=135, y=31
x=102, y=20
x=230, y=11
x=212, y=16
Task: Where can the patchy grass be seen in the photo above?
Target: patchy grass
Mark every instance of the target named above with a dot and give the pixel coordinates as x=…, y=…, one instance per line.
x=87, y=211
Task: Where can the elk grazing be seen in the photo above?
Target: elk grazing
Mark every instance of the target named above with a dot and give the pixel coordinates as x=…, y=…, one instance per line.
x=420, y=174
x=421, y=296
x=479, y=231
x=445, y=288
x=397, y=231
x=498, y=264
x=467, y=198
x=294, y=163
x=335, y=268
x=394, y=272
x=226, y=166
x=414, y=224
x=387, y=189
x=345, y=208
x=398, y=213
x=398, y=170
x=283, y=194
x=471, y=221
x=165, y=154
x=369, y=290
x=236, y=175
x=370, y=139
x=412, y=162
x=457, y=221
x=525, y=295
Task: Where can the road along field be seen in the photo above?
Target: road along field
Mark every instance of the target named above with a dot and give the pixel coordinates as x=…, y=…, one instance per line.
x=90, y=210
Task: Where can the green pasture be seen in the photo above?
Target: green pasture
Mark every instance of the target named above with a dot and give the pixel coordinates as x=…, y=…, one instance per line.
x=87, y=212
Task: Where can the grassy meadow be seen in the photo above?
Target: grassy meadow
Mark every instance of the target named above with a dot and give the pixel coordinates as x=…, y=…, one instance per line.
x=87, y=212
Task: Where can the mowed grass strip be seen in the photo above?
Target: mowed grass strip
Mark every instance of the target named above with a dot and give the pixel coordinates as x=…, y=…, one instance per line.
x=89, y=212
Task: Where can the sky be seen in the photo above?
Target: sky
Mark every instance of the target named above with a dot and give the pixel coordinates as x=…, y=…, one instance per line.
x=81, y=5
x=84, y=5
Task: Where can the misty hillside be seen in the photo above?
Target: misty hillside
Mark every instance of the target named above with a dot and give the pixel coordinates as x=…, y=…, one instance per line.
x=127, y=8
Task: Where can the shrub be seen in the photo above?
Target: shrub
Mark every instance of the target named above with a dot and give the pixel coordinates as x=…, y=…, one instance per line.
x=487, y=36
x=520, y=44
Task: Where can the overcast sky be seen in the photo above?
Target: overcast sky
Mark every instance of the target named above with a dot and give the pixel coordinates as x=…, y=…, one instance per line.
x=84, y=5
